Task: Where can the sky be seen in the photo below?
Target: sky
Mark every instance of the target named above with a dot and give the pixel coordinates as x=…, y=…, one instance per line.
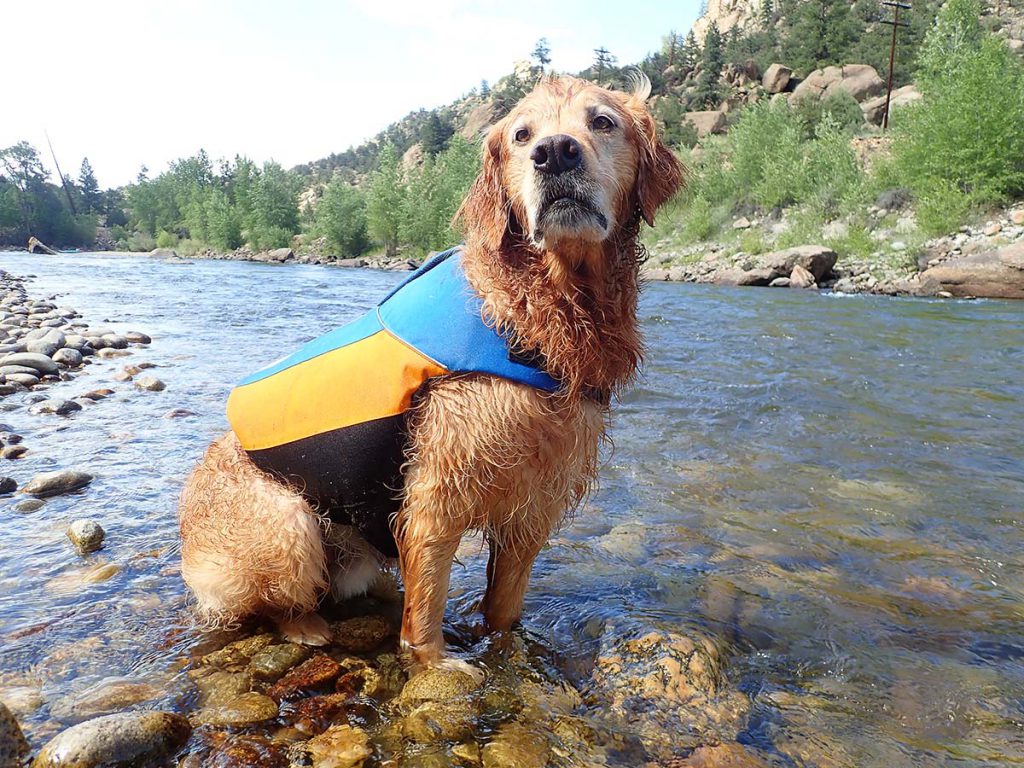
x=132, y=83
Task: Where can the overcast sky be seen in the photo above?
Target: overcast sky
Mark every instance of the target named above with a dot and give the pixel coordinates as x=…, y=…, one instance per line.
x=133, y=82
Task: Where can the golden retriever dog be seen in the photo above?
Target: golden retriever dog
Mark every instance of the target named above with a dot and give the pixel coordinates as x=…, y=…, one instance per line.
x=551, y=251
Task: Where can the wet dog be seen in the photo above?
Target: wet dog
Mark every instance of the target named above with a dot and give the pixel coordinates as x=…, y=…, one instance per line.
x=551, y=259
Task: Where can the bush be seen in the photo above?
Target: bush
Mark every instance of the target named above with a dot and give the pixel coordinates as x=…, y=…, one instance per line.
x=941, y=207
x=166, y=239
x=140, y=242
x=341, y=218
x=840, y=108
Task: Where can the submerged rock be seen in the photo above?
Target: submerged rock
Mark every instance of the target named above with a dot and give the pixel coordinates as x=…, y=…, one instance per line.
x=8, y=485
x=437, y=684
x=127, y=737
x=340, y=746
x=318, y=671
x=435, y=721
x=360, y=634
x=86, y=535
x=59, y=407
x=516, y=746
x=273, y=661
x=671, y=689
x=238, y=652
x=13, y=746
x=150, y=383
x=56, y=483
x=245, y=708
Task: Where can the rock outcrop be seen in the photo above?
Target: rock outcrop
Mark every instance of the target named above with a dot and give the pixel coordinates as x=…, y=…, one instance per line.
x=874, y=109
x=861, y=81
x=995, y=274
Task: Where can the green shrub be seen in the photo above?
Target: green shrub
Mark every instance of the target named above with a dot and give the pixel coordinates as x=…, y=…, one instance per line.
x=165, y=239
x=341, y=218
x=140, y=241
x=698, y=224
x=840, y=108
x=941, y=207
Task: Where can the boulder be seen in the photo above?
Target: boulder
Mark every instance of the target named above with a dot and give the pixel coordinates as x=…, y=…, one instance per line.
x=816, y=259
x=874, y=109
x=137, y=738
x=801, y=278
x=995, y=274
x=41, y=363
x=163, y=253
x=86, y=535
x=776, y=78
x=745, y=277
x=859, y=80
x=13, y=746
x=706, y=122
x=55, y=483
x=280, y=254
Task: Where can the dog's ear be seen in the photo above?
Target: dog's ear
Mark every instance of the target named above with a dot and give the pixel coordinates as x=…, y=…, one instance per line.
x=484, y=213
x=659, y=173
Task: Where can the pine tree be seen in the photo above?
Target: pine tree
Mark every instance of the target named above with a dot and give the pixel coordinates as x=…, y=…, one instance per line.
x=541, y=54
x=435, y=133
x=823, y=33
x=708, y=92
x=89, y=188
x=691, y=52
x=603, y=61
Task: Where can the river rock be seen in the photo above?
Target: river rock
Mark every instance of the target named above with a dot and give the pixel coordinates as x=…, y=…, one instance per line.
x=135, y=337
x=112, y=694
x=738, y=276
x=314, y=673
x=29, y=505
x=98, y=394
x=437, y=684
x=150, y=384
x=995, y=274
x=8, y=485
x=340, y=746
x=72, y=358
x=272, y=662
x=315, y=714
x=123, y=738
x=516, y=746
x=245, y=708
x=41, y=363
x=360, y=634
x=86, y=535
x=434, y=721
x=58, y=407
x=237, y=652
x=801, y=278
x=13, y=451
x=721, y=756
x=13, y=747
x=7, y=370
x=24, y=379
x=816, y=259
x=115, y=341
x=55, y=483
x=671, y=689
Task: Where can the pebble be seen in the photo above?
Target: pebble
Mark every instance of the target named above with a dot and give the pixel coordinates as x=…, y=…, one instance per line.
x=72, y=358
x=8, y=485
x=58, y=407
x=360, y=634
x=122, y=376
x=340, y=746
x=13, y=451
x=29, y=505
x=26, y=380
x=274, y=661
x=246, y=708
x=86, y=535
x=126, y=737
x=55, y=483
x=98, y=394
x=150, y=383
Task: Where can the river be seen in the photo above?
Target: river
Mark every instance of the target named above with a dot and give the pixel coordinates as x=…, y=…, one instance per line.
x=831, y=487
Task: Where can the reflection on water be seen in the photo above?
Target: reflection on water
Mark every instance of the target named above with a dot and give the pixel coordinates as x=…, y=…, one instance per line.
x=831, y=486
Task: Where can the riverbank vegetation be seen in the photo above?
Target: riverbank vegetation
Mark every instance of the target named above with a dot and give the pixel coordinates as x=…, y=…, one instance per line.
x=800, y=170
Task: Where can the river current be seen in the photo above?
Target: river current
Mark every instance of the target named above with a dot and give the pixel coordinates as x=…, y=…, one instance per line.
x=832, y=487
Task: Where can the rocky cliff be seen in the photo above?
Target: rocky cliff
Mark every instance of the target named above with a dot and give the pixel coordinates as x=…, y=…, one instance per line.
x=728, y=14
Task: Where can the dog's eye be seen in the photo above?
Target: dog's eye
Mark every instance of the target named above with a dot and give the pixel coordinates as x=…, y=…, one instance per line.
x=602, y=123
x=522, y=136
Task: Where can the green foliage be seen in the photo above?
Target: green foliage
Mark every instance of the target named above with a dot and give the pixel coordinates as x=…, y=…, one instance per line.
x=385, y=195
x=341, y=218
x=840, y=108
x=89, y=188
x=275, y=211
x=699, y=224
x=673, y=129
x=541, y=54
x=941, y=206
x=968, y=131
x=604, y=65
x=435, y=134
x=708, y=92
x=821, y=32
x=223, y=223
x=952, y=42
x=166, y=239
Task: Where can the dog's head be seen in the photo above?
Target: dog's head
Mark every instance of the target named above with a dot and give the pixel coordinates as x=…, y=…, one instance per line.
x=571, y=163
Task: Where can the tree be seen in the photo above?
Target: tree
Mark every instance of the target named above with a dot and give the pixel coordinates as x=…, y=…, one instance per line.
x=435, y=133
x=767, y=14
x=384, y=196
x=485, y=89
x=823, y=32
x=341, y=218
x=952, y=40
x=223, y=227
x=89, y=188
x=603, y=61
x=672, y=46
x=275, y=210
x=690, y=53
x=541, y=54
x=708, y=92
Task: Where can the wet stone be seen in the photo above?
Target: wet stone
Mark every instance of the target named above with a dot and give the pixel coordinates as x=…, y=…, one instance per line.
x=29, y=505
x=11, y=438
x=360, y=634
x=247, y=751
x=108, y=353
x=13, y=451
x=41, y=363
x=122, y=376
x=317, y=713
x=72, y=358
x=25, y=379
x=721, y=756
x=106, y=696
x=98, y=394
x=86, y=535
x=218, y=687
x=340, y=746
x=8, y=485
x=135, y=337
x=516, y=746
x=319, y=671
x=13, y=747
x=238, y=652
x=273, y=661
x=58, y=407
x=382, y=681
x=127, y=737
x=246, y=708
x=150, y=384
x=437, y=684
x=434, y=721
x=56, y=483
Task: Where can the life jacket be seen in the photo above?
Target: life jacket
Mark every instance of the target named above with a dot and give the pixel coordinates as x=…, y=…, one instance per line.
x=331, y=419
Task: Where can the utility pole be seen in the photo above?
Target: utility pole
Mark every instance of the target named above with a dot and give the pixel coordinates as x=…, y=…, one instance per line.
x=896, y=24
x=63, y=181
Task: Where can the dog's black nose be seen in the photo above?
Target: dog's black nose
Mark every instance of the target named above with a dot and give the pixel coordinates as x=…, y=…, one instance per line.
x=556, y=154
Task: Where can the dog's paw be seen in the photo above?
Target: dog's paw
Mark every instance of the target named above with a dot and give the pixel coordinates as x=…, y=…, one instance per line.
x=458, y=665
x=310, y=629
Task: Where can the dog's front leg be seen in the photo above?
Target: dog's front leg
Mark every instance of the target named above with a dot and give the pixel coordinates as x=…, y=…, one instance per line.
x=426, y=548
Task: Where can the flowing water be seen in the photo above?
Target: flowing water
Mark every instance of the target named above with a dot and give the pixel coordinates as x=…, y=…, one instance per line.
x=831, y=487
